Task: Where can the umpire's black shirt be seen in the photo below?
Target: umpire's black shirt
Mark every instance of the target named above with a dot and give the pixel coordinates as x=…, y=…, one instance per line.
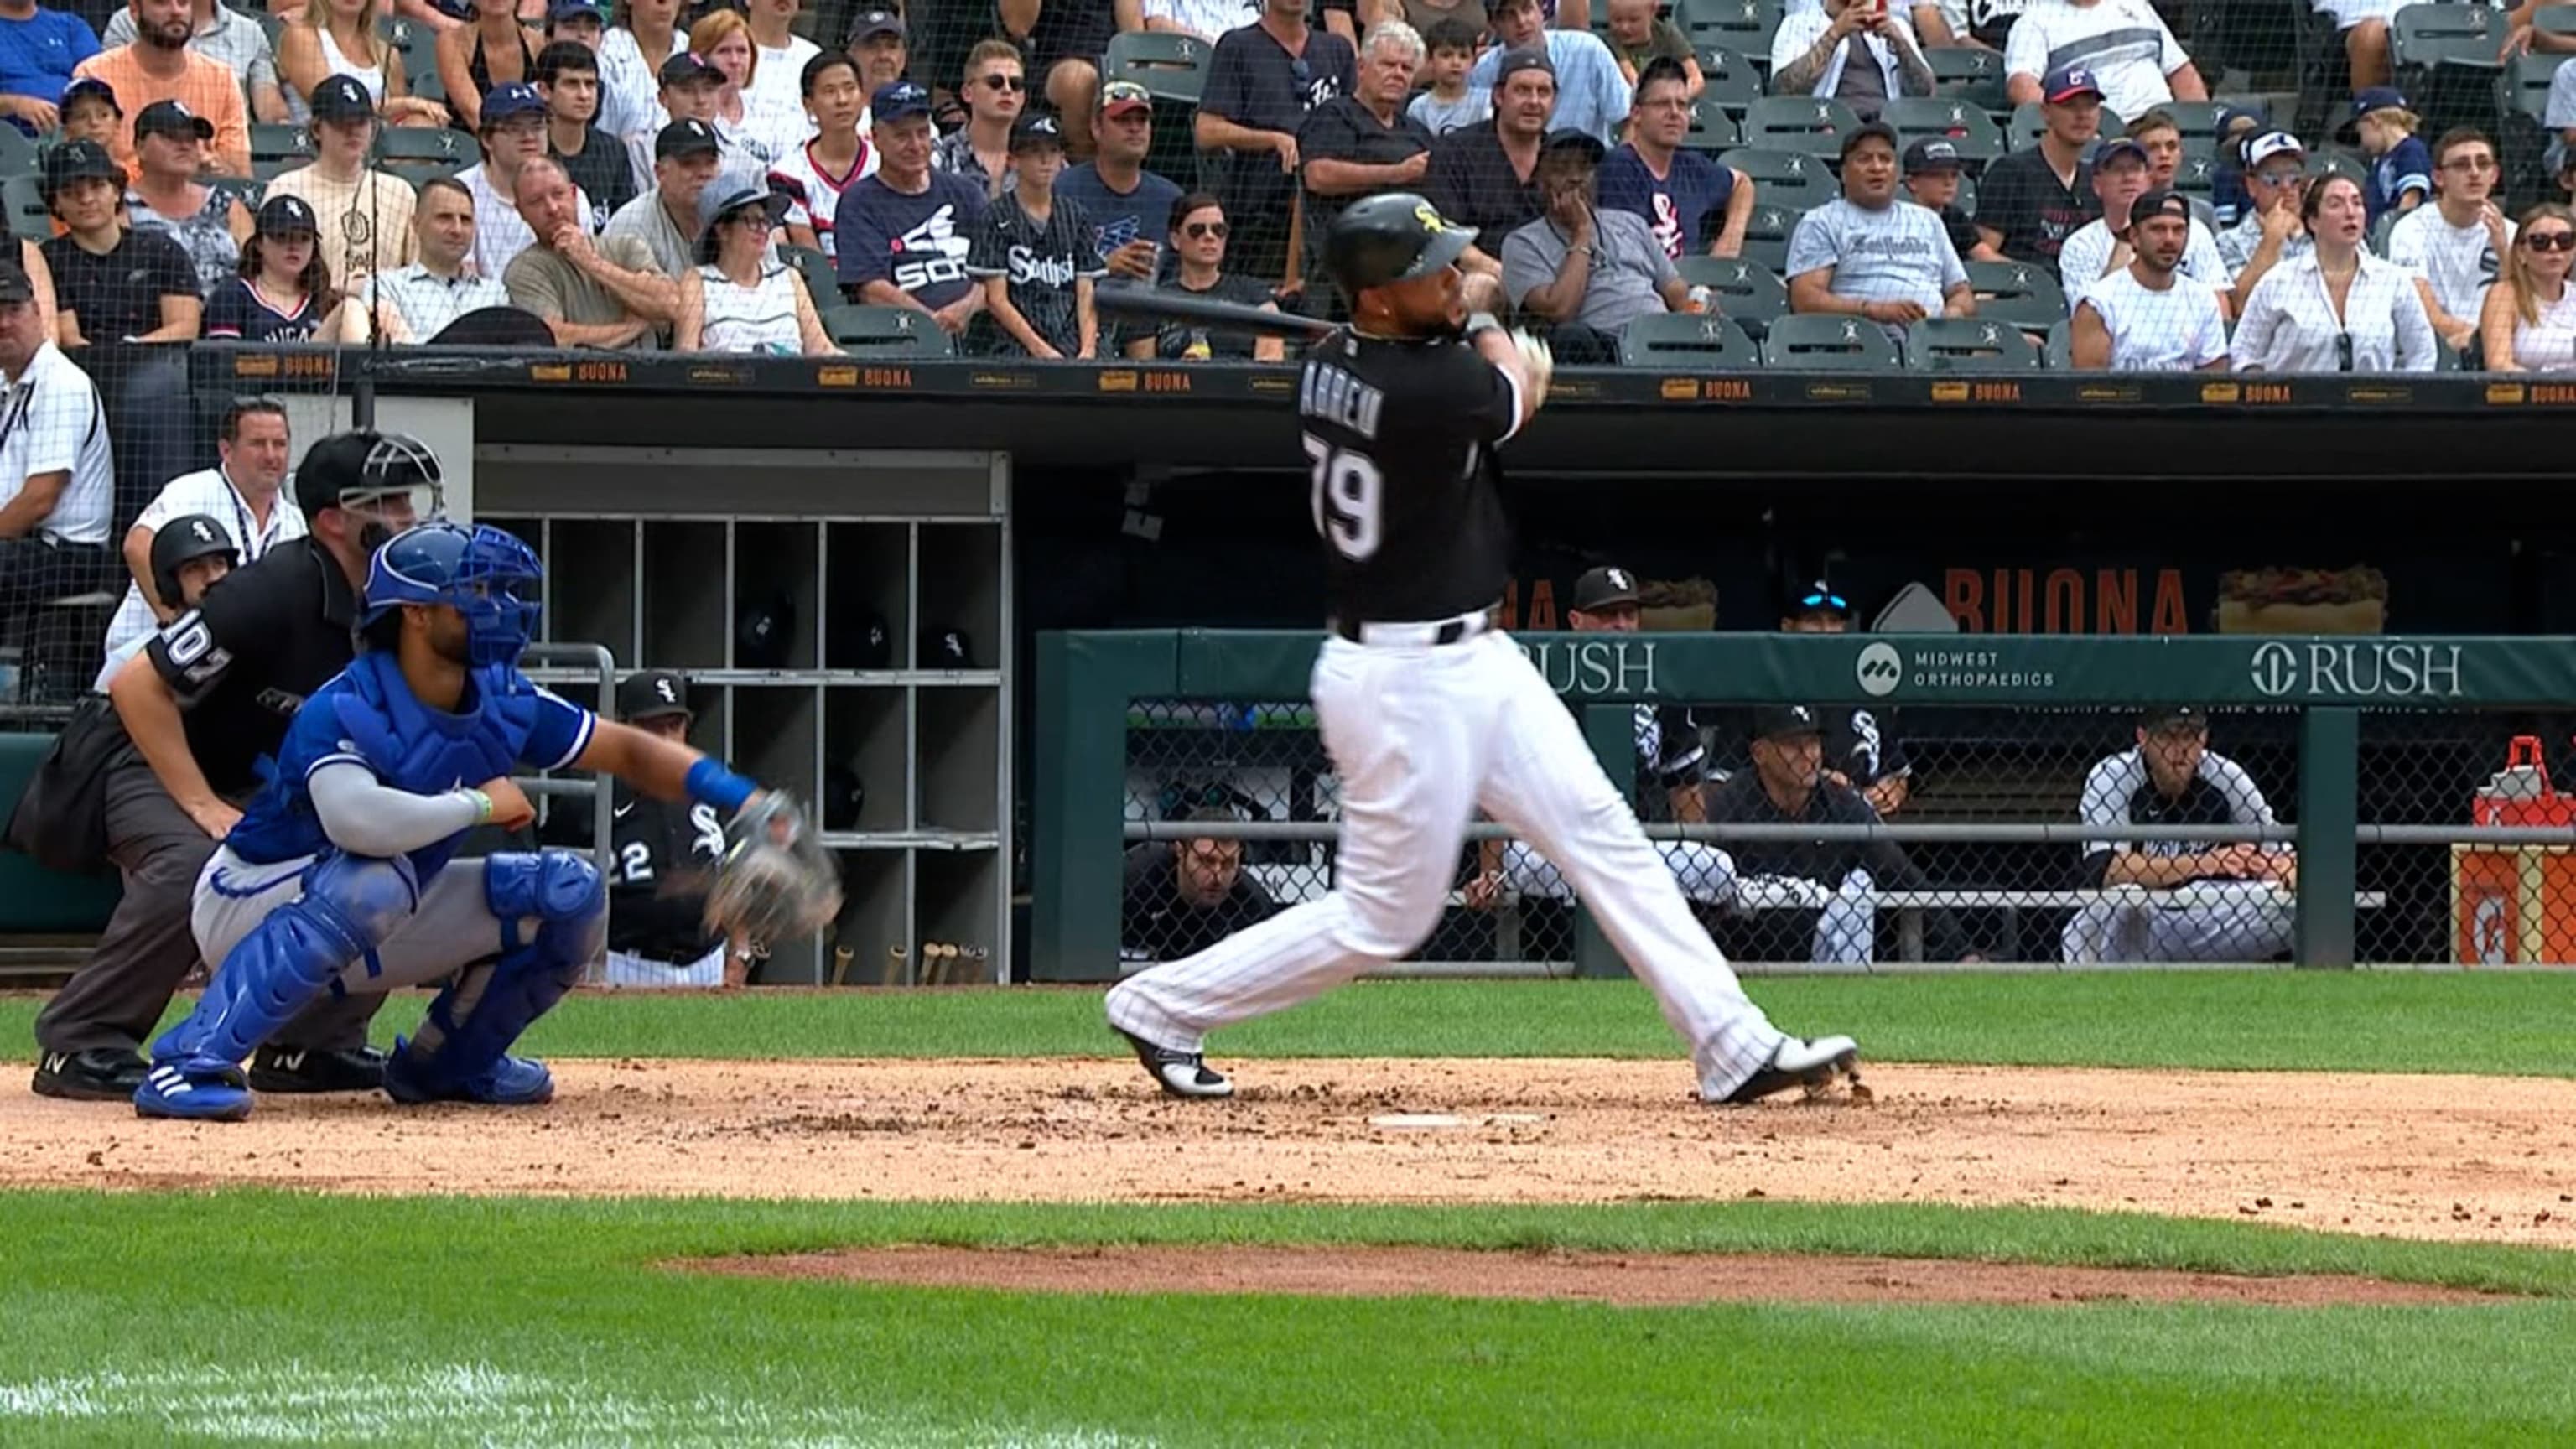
x=243, y=660
x=1473, y=183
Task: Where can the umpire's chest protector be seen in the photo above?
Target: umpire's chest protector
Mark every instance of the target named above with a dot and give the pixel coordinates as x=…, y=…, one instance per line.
x=426, y=751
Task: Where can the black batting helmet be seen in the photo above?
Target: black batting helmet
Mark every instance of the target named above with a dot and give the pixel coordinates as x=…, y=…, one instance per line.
x=190, y=535
x=1391, y=238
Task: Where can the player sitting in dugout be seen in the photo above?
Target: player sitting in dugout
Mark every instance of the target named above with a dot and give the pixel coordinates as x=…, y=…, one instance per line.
x=1816, y=897
x=2212, y=902
x=1184, y=896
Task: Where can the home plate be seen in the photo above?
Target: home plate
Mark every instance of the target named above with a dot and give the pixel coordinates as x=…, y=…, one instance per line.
x=1422, y=1121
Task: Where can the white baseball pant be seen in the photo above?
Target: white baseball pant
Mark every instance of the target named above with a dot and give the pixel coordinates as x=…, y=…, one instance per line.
x=1705, y=873
x=628, y=971
x=2206, y=921
x=1420, y=736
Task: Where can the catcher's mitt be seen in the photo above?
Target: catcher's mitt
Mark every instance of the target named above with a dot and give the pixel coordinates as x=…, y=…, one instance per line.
x=775, y=882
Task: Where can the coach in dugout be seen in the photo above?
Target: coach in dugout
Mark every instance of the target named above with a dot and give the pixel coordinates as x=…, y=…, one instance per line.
x=1186, y=896
x=2206, y=902
x=207, y=698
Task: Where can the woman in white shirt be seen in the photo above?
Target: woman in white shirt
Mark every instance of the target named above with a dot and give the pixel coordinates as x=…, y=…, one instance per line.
x=339, y=37
x=2529, y=321
x=743, y=116
x=2337, y=309
x=740, y=297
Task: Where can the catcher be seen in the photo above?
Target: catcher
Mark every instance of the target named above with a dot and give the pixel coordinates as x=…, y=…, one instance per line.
x=341, y=873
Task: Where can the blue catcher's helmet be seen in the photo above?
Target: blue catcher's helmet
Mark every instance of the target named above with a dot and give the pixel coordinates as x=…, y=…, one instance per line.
x=485, y=574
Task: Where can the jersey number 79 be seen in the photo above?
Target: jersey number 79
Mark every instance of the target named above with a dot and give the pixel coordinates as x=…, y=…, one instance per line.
x=1347, y=496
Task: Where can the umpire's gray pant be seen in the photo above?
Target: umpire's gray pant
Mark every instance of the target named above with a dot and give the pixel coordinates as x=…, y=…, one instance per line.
x=117, y=996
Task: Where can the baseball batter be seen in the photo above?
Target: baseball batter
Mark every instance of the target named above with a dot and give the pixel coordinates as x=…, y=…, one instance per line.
x=1426, y=707
x=341, y=874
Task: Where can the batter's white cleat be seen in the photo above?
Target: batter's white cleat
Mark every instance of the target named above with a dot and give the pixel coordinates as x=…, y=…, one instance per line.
x=1813, y=1065
x=1179, y=1074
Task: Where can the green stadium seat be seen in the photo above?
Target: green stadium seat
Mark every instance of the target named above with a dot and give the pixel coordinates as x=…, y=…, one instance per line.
x=34, y=900
x=2197, y=119
x=821, y=280
x=29, y=218
x=2196, y=174
x=1966, y=73
x=866, y=331
x=2058, y=352
x=2425, y=37
x=1766, y=232
x=246, y=190
x=1814, y=125
x=417, y=153
x=1970, y=344
x=1816, y=342
x=1681, y=342
x=2335, y=161
x=19, y=155
x=2017, y=292
x=1742, y=26
x=1970, y=129
x=1169, y=65
x=2524, y=89
x=1731, y=82
x=1790, y=178
x=284, y=147
x=2028, y=125
x=1748, y=292
x=1711, y=128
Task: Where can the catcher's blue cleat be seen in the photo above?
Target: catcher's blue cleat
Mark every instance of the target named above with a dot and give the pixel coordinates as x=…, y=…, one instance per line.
x=509, y=1082
x=195, y=1090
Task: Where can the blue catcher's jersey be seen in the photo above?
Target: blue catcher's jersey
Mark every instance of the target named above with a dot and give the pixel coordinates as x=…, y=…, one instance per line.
x=367, y=714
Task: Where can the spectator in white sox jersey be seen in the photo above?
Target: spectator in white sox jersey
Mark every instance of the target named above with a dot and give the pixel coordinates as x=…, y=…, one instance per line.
x=1033, y=255
x=2457, y=246
x=2147, y=316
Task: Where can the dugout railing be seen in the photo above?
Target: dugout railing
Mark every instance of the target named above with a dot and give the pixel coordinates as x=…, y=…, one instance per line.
x=2373, y=753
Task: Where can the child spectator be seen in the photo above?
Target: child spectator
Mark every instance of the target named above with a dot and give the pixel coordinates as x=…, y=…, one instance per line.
x=2401, y=171
x=1637, y=37
x=1932, y=182
x=1036, y=256
x=90, y=111
x=1450, y=103
x=284, y=290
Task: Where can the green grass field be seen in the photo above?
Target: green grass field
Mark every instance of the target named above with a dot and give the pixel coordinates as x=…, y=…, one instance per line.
x=261, y=1317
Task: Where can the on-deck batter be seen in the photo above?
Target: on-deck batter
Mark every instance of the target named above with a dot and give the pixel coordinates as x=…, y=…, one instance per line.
x=1426, y=707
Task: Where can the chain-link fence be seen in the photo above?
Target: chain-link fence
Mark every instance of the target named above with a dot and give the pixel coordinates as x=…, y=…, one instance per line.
x=1854, y=837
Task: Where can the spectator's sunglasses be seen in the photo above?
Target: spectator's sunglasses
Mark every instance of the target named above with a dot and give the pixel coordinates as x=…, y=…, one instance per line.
x=1825, y=599
x=2343, y=352
x=2550, y=241
x=1196, y=229
x=1007, y=82
x=1121, y=92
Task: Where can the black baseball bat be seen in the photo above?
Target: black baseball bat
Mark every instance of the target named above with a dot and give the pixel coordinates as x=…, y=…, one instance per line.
x=1160, y=303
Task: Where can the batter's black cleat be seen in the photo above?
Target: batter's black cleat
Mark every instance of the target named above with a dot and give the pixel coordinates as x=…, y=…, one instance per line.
x=308, y=1069
x=100, y=1074
x=1814, y=1065
x=1179, y=1074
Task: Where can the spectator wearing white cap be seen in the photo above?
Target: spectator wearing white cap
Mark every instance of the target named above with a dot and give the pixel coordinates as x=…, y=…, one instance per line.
x=2102, y=247
x=415, y=303
x=365, y=213
x=1860, y=52
x=2031, y=201
x=2150, y=315
x=741, y=298
x=57, y=481
x=514, y=134
x=2124, y=42
x=244, y=491
x=814, y=175
x=232, y=39
x=209, y=225
x=1869, y=256
x=283, y=291
x=2271, y=231
x=2337, y=309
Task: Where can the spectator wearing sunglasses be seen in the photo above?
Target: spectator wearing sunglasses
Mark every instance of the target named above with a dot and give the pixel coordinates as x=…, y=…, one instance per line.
x=2529, y=321
x=2270, y=229
x=2457, y=246
x=2337, y=309
x=1261, y=83
x=1198, y=237
x=996, y=91
x=1128, y=205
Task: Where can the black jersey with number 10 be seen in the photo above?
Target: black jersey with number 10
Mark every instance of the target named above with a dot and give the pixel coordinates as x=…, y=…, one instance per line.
x=1400, y=440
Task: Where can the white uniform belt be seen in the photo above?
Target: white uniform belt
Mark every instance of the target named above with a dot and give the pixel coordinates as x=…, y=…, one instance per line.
x=1428, y=634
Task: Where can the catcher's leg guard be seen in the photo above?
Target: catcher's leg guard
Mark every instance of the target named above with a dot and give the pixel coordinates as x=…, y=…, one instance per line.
x=460, y=1052
x=349, y=906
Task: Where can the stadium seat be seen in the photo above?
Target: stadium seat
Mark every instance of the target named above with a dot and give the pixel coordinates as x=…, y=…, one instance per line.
x=1969, y=344
x=1787, y=177
x=2196, y=174
x=821, y=281
x=18, y=155
x=1711, y=128
x=2028, y=125
x=1169, y=65
x=2198, y=120
x=1810, y=124
x=2058, y=352
x=2524, y=90
x=865, y=331
x=1742, y=26
x=1678, y=341
x=1965, y=73
x=2425, y=37
x=1766, y=232
x=2335, y=161
x=29, y=218
x=417, y=153
x=1816, y=342
x=243, y=189
x=281, y=147
x=2377, y=240
x=1962, y=124
x=1732, y=82
x=1748, y=292
x=2017, y=292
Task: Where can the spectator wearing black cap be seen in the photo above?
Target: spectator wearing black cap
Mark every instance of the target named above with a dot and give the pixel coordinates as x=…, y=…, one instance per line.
x=1860, y=52
x=1861, y=744
x=365, y=214
x=691, y=87
x=814, y=175
x=244, y=491
x=1591, y=92
x=491, y=49
x=1363, y=143
x=2401, y=169
x=413, y=304
x=57, y=481
x=1932, y=182
x=740, y=297
x=608, y=293
x=876, y=42
x=568, y=78
x=2125, y=42
x=631, y=57
x=1486, y=175
x=1832, y=885
x=48, y=45
x=2031, y=201
x=1198, y=240
x=1184, y=896
x=1129, y=206
x=1692, y=203
x=662, y=853
x=2149, y=316
x=203, y=702
x=90, y=112
x=1867, y=255
x=159, y=66
x=343, y=38
x=583, y=22
x=1587, y=271
x=2102, y=246
x=283, y=291
x=514, y=134
x=1261, y=82
x=2172, y=777
x=996, y=88
x=665, y=217
x=111, y=284
x=209, y=225
x=1033, y=255
x=905, y=231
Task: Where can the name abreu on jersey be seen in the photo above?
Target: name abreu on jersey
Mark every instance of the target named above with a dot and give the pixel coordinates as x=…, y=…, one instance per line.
x=1335, y=396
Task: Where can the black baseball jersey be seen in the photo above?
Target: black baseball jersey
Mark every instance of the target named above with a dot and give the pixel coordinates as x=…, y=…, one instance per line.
x=1404, y=487
x=2120, y=790
x=242, y=661
x=1741, y=800
x=1158, y=922
x=662, y=854
x=1860, y=744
